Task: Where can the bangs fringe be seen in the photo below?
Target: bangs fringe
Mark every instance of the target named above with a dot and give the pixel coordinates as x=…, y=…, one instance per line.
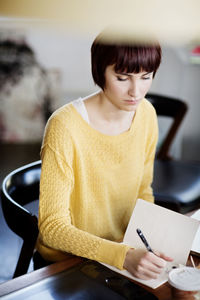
x=137, y=59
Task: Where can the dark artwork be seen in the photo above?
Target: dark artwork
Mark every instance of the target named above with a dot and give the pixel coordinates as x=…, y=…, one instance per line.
x=18, y=60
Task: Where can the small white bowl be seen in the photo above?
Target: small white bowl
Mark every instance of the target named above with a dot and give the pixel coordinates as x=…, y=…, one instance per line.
x=185, y=279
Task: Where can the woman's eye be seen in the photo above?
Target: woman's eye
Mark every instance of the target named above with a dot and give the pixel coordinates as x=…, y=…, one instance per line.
x=122, y=78
x=147, y=76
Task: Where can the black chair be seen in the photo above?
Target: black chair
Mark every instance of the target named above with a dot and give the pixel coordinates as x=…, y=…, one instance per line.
x=176, y=183
x=19, y=189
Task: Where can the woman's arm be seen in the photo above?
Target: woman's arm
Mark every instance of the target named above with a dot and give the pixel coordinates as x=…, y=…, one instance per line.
x=55, y=222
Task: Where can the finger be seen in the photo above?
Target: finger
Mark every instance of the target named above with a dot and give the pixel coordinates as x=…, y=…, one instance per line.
x=150, y=263
x=167, y=258
x=163, y=256
x=155, y=260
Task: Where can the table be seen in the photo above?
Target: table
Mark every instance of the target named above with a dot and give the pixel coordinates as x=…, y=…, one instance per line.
x=28, y=280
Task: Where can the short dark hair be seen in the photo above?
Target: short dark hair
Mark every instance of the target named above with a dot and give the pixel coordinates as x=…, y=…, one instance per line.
x=130, y=58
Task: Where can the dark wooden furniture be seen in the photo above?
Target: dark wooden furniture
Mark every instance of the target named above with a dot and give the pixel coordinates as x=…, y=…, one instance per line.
x=30, y=279
x=174, y=109
x=176, y=183
x=19, y=190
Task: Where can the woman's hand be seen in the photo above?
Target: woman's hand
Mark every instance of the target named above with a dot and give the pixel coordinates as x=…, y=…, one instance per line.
x=145, y=265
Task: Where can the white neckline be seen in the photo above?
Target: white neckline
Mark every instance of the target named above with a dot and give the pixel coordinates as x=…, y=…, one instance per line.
x=80, y=107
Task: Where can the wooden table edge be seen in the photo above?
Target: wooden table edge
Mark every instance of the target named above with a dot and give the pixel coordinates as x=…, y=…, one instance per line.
x=28, y=279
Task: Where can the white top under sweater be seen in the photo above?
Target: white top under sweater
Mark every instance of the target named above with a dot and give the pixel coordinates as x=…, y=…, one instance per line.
x=80, y=107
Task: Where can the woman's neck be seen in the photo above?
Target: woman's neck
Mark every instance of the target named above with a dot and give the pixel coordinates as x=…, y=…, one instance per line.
x=107, y=118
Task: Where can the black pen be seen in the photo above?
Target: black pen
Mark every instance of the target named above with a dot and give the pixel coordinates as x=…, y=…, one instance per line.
x=141, y=235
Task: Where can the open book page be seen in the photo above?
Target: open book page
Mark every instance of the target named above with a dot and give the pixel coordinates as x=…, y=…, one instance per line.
x=196, y=243
x=165, y=230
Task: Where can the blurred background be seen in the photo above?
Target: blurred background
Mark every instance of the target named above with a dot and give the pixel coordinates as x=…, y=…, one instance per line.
x=44, y=67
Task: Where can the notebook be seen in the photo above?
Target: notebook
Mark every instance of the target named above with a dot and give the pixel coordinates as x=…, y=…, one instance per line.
x=196, y=243
x=166, y=231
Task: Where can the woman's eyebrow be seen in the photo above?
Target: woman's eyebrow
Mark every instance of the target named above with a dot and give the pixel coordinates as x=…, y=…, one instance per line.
x=124, y=73
x=130, y=74
x=147, y=73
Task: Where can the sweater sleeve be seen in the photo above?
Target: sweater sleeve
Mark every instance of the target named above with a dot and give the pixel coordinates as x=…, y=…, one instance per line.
x=145, y=191
x=56, y=185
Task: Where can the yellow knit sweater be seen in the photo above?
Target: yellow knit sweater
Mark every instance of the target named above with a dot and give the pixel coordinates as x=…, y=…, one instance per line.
x=90, y=183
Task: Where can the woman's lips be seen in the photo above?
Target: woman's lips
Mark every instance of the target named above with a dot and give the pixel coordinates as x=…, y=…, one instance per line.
x=132, y=102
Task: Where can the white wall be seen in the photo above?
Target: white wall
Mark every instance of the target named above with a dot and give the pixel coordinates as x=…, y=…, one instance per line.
x=70, y=54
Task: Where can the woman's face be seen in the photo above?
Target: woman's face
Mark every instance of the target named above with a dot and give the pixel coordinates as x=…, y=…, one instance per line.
x=126, y=90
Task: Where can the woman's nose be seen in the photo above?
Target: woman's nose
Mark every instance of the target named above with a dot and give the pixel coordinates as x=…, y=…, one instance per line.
x=133, y=90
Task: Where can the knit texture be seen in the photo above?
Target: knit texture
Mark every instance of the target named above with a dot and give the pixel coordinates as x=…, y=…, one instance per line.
x=90, y=183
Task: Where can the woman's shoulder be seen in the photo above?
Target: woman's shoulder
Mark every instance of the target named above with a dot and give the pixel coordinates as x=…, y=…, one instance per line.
x=147, y=106
x=60, y=122
x=62, y=112
x=148, y=113
x=58, y=127
x=64, y=115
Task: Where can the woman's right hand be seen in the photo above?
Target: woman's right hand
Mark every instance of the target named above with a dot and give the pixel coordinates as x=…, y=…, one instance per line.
x=145, y=265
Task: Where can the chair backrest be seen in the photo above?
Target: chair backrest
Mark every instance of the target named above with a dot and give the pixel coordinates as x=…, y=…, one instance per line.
x=168, y=107
x=19, y=188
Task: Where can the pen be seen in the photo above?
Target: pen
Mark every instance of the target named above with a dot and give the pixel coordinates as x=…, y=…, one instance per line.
x=139, y=232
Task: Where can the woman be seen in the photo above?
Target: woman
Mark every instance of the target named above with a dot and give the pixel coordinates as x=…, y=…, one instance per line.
x=97, y=160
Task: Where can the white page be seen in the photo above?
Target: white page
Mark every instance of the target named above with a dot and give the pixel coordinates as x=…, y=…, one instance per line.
x=196, y=243
x=165, y=230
